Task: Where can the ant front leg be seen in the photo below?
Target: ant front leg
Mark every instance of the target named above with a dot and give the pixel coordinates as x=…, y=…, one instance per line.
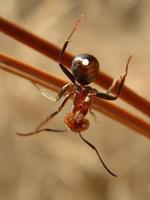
x=111, y=97
x=38, y=129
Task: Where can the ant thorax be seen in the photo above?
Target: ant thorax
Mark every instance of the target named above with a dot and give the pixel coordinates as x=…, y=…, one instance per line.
x=82, y=100
x=76, y=120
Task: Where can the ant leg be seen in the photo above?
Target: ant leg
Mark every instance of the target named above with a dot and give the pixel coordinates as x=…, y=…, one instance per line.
x=64, y=69
x=48, y=95
x=94, y=148
x=93, y=114
x=111, y=97
x=56, y=112
x=38, y=130
x=112, y=86
x=41, y=130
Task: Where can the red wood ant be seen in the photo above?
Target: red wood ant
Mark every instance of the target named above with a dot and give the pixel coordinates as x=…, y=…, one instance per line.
x=84, y=70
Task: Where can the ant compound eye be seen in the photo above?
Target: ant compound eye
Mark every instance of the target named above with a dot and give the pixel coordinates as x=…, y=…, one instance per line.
x=85, y=68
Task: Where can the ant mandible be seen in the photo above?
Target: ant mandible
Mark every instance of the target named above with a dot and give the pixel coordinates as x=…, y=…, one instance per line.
x=84, y=71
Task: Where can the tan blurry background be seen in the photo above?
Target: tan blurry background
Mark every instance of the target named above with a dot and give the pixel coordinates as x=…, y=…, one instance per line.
x=61, y=166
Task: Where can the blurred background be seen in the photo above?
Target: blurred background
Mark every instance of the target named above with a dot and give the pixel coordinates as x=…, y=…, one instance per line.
x=60, y=166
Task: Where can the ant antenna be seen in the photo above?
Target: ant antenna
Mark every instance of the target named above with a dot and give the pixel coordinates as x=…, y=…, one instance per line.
x=127, y=65
x=75, y=27
x=67, y=41
x=94, y=148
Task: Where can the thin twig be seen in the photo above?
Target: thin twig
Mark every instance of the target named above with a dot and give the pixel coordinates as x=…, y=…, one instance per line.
x=52, y=51
x=39, y=76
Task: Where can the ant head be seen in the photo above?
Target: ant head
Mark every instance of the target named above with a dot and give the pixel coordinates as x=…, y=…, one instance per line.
x=85, y=68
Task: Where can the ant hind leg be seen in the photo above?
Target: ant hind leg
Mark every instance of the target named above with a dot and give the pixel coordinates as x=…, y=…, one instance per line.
x=94, y=148
x=38, y=129
x=41, y=130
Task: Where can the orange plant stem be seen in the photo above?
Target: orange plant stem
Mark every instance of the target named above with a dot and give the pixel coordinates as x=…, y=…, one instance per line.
x=52, y=51
x=41, y=77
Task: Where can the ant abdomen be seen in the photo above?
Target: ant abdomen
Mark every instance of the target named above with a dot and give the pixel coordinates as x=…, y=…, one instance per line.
x=85, y=68
x=74, y=124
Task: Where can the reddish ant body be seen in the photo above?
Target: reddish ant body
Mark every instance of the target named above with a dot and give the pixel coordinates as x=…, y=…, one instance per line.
x=85, y=68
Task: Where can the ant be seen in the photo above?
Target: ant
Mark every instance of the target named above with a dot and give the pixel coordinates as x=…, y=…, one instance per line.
x=84, y=71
